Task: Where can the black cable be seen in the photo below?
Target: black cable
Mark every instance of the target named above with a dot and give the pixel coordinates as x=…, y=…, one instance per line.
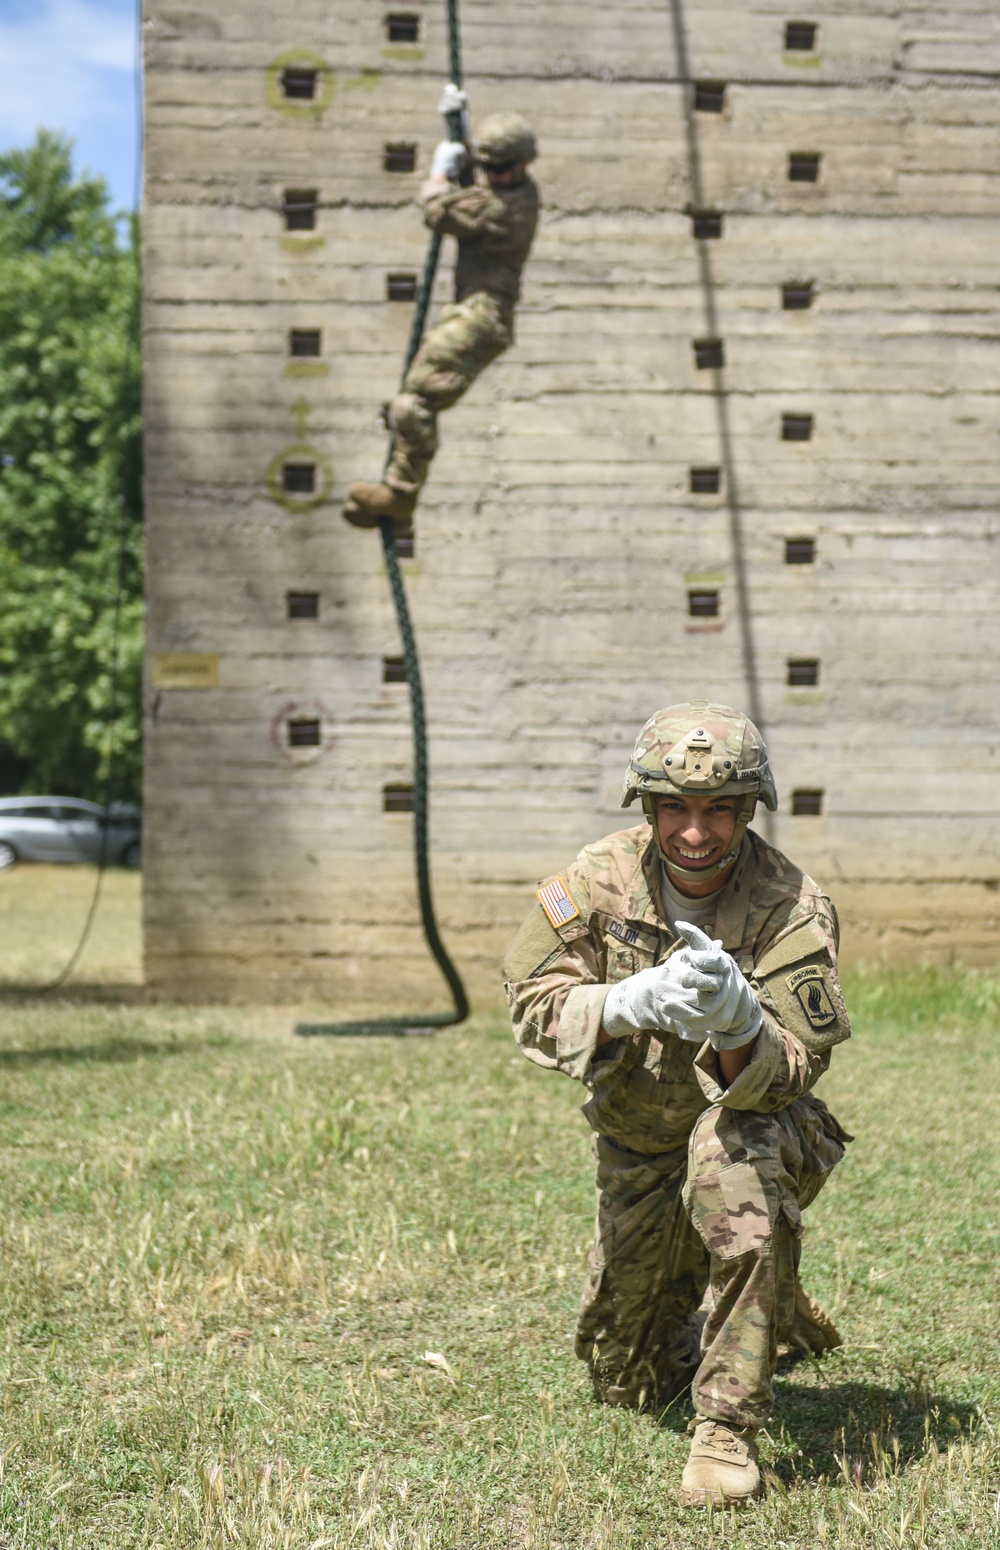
x=454, y=52
x=421, y=778
x=132, y=344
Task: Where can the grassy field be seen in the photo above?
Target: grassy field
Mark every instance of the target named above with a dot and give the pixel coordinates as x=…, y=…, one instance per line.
x=262, y=1291
x=42, y=913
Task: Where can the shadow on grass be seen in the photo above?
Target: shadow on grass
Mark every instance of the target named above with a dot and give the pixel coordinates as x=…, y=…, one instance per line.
x=850, y=1430
x=94, y=993
x=107, y=1051
x=853, y=1430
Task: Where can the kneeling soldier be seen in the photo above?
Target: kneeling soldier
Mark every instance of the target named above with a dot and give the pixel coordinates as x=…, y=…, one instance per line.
x=699, y=1056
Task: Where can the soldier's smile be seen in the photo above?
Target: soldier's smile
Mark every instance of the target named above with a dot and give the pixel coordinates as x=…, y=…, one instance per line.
x=696, y=831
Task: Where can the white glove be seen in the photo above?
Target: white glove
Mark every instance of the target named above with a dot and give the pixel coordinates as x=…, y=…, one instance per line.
x=449, y=159
x=455, y=101
x=727, y=1012
x=665, y=998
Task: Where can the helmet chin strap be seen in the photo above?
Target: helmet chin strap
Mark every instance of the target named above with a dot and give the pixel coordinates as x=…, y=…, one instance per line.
x=684, y=874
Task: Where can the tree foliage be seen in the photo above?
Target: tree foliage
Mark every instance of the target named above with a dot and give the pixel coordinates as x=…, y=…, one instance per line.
x=70, y=476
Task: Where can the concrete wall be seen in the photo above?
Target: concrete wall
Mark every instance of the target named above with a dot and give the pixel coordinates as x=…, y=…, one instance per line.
x=558, y=538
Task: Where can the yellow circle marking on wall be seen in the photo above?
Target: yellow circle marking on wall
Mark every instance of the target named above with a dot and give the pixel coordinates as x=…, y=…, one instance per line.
x=300, y=450
x=310, y=107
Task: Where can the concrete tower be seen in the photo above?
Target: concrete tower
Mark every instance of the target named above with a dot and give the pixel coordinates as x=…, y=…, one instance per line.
x=744, y=447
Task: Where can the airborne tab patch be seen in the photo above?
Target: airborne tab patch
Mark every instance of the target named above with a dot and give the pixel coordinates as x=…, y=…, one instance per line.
x=556, y=902
x=813, y=996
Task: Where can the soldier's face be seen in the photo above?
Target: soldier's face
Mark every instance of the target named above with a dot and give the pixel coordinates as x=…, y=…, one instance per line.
x=507, y=179
x=696, y=832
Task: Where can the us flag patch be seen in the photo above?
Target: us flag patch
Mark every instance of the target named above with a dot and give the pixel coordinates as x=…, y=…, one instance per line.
x=557, y=904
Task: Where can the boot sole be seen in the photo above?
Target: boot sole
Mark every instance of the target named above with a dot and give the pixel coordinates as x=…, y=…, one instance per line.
x=358, y=518
x=702, y=1498
x=369, y=524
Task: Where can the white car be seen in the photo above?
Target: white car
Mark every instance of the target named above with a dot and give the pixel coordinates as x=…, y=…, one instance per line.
x=68, y=829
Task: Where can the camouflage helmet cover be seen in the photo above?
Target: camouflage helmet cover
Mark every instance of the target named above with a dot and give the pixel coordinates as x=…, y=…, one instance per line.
x=699, y=749
x=505, y=137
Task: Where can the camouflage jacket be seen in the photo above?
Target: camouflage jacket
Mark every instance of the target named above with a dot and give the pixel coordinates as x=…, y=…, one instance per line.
x=494, y=230
x=648, y=1090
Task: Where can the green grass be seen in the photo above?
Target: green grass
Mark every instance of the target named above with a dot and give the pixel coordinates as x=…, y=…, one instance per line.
x=264, y=1291
x=42, y=913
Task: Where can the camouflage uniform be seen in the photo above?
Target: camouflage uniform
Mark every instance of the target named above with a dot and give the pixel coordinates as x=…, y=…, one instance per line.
x=494, y=228
x=694, y=1183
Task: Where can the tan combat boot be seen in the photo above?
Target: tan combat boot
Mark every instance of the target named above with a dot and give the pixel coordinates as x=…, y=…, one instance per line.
x=367, y=504
x=812, y=1326
x=722, y=1468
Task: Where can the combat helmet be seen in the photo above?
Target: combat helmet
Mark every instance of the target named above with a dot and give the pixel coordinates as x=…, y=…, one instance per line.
x=504, y=139
x=700, y=749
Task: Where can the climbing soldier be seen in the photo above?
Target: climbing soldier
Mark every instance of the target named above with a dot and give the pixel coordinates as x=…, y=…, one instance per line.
x=494, y=221
x=699, y=1055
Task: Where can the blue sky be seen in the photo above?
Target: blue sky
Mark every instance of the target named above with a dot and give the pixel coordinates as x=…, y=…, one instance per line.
x=69, y=64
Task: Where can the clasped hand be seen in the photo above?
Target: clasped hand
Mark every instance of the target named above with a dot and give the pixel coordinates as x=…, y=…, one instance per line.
x=454, y=100
x=699, y=993
x=450, y=157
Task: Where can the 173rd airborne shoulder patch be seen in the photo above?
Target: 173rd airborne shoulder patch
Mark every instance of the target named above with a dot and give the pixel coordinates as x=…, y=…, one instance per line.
x=808, y=1002
x=813, y=996
x=798, y=981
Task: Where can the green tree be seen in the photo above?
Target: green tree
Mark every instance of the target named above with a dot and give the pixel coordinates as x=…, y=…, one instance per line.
x=70, y=476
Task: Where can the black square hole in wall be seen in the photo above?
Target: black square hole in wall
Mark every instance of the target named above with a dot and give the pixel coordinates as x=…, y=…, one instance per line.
x=706, y=224
x=304, y=341
x=298, y=478
x=705, y=481
x=803, y=166
x=299, y=82
x=300, y=209
x=405, y=546
x=798, y=295
x=402, y=27
x=703, y=604
x=800, y=551
x=304, y=732
x=709, y=96
x=709, y=354
x=399, y=157
x=400, y=287
x=393, y=670
x=397, y=798
x=807, y=804
x=800, y=37
x=802, y=672
x=796, y=427
x=302, y=605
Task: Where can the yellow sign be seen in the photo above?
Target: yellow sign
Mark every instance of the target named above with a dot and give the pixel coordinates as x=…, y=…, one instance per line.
x=184, y=670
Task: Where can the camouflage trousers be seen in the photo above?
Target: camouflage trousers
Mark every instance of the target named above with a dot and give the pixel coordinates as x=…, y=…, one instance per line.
x=468, y=337
x=729, y=1215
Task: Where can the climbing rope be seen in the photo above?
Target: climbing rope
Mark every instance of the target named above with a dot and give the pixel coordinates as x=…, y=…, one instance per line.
x=421, y=832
